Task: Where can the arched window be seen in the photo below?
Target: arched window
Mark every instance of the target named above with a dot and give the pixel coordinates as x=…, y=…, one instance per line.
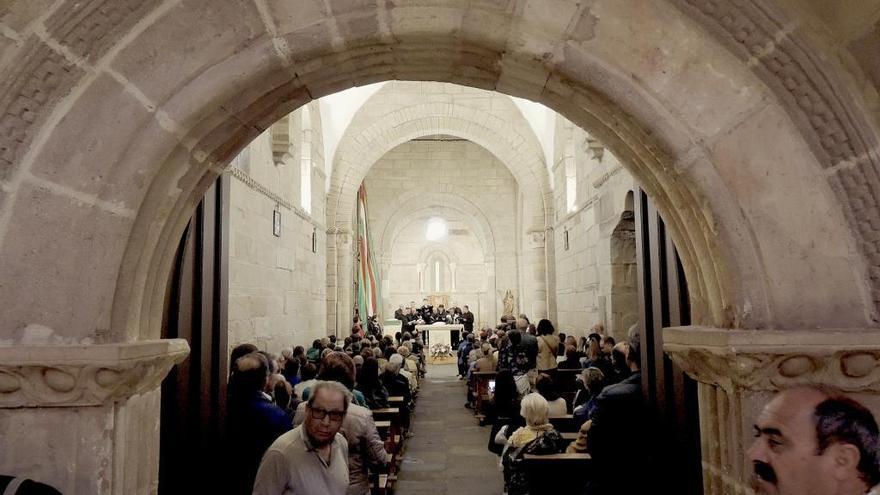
x=305, y=184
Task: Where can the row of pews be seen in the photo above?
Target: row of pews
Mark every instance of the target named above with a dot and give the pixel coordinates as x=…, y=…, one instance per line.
x=547, y=473
x=389, y=423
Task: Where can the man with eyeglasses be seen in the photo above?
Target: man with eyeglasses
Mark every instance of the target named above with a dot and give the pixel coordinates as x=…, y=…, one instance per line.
x=313, y=457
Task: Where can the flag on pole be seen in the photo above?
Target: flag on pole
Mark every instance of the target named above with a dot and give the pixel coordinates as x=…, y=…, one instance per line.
x=368, y=296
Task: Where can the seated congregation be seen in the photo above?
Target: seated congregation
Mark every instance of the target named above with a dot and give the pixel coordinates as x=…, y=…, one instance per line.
x=562, y=416
x=566, y=416
x=332, y=418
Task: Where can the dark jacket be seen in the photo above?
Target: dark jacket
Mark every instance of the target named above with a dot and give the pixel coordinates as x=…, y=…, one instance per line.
x=467, y=319
x=254, y=423
x=376, y=396
x=620, y=439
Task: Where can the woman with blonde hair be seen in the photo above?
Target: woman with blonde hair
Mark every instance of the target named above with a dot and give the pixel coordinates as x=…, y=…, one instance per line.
x=537, y=437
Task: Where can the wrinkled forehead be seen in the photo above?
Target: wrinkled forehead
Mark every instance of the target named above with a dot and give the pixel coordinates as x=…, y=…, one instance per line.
x=791, y=412
x=331, y=400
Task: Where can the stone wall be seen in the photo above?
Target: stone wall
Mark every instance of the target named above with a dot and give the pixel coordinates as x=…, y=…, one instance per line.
x=277, y=284
x=475, y=193
x=595, y=267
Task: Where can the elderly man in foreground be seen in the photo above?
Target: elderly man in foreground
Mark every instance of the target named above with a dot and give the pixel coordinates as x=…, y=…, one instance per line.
x=815, y=440
x=313, y=457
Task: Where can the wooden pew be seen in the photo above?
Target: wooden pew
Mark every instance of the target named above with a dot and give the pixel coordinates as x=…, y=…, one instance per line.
x=557, y=473
x=481, y=388
x=564, y=423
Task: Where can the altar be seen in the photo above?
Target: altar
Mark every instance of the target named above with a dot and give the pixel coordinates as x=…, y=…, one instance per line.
x=438, y=333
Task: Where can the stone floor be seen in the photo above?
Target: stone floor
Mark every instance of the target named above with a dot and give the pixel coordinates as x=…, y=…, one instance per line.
x=447, y=454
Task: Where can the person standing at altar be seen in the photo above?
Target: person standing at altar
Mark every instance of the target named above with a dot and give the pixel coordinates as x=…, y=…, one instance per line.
x=398, y=314
x=467, y=319
x=426, y=311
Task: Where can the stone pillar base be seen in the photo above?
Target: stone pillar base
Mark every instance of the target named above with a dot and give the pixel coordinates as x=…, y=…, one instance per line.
x=739, y=370
x=85, y=419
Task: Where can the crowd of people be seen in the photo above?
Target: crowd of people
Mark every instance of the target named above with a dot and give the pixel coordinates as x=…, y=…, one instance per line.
x=301, y=420
x=411, y=315
x=607, y=402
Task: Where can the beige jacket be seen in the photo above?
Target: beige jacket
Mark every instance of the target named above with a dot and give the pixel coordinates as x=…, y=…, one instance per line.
x=365, y=447
x=547, y=347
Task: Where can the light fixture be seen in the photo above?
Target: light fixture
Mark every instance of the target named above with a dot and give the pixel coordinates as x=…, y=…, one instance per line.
x=437, y=229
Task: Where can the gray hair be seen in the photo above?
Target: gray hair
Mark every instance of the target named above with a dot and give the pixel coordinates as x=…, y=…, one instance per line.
x=334, y=386
x=392, y=365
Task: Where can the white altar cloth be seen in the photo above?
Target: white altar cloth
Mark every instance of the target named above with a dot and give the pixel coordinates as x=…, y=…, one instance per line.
x=439, y=332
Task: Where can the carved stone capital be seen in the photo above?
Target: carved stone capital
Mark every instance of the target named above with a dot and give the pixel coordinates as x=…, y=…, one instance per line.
x=535, y=238
x=772, y=359
x=84, y=375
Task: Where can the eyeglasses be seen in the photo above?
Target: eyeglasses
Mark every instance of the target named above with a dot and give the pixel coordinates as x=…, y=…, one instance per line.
x=335, y=416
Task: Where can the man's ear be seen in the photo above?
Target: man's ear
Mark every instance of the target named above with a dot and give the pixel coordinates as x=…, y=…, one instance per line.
x=845, y=460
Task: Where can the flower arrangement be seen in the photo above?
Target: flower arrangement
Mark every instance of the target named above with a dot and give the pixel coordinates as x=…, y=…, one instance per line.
x=440, y=350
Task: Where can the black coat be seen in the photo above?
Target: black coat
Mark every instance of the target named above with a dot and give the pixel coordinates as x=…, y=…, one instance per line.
x=621, y=439
x=467, y=319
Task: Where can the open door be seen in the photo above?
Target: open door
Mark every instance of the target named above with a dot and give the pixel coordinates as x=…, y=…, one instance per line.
x=194, y=393
x=663, y=301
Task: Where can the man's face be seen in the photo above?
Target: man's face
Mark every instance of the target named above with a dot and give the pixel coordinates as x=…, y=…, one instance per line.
x=607, y=347
x=784, y=454
x=324, y=417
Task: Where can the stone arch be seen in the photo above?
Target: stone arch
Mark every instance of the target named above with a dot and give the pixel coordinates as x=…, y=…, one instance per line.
x=359, y=149
x=156, y=98
x=188, y=120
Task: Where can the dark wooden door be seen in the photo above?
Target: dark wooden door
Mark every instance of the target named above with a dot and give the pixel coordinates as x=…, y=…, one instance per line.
x=194, y=393
x=664, y=302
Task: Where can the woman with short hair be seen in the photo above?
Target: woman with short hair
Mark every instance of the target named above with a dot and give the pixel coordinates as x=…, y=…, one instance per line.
x=537, y=437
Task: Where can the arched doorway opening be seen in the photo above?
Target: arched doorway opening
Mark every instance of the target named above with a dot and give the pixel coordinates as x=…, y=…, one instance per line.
x=197, y=80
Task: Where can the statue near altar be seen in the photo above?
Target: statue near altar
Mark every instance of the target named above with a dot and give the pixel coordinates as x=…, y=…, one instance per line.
x=509, y=302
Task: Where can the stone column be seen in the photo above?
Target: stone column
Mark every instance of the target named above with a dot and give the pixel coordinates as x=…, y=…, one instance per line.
x=490, y=309
x=739, y=370
x=452, y=276
x=550, y=271
x=420, y=268
x=85, y=418
x=534, y=270
x=344, y=282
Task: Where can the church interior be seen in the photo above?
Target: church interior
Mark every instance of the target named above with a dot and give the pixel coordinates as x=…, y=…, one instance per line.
x=468, y=195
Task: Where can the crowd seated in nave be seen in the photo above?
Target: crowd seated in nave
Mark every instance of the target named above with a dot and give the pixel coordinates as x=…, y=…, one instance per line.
x=341, y=424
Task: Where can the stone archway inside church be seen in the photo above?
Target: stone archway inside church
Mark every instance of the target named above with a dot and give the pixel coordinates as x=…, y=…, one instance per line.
x=764, y=155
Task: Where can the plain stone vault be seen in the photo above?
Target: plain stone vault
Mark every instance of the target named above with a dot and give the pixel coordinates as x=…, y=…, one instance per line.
x=753, y=126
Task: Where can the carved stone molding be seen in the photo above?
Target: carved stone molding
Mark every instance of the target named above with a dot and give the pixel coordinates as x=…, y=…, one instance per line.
x=772, y=359
x=607, y=176
x=84, y=375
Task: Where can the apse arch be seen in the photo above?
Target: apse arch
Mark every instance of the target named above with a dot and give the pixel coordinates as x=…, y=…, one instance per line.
x=359, y=149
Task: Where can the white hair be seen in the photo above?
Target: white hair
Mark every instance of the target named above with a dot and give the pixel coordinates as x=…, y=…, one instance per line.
x=535, y=409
